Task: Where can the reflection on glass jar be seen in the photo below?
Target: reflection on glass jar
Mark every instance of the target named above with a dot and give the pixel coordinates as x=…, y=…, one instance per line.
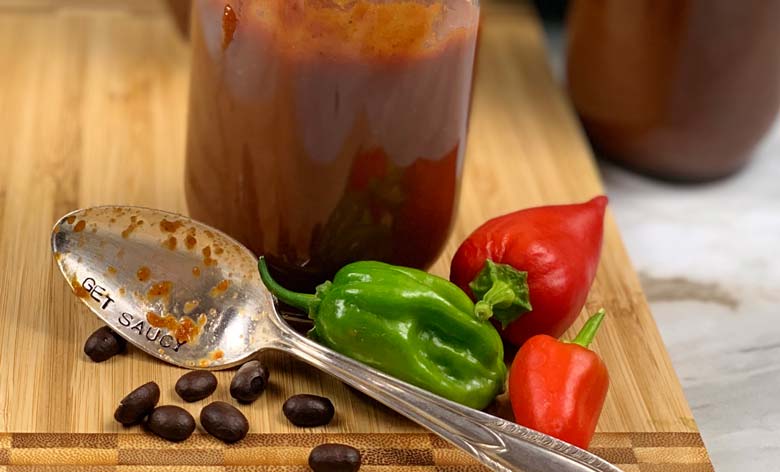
x=324, y=131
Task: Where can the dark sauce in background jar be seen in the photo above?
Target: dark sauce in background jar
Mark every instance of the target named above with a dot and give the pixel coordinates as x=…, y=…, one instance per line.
x=319, y=135
x=679, y=89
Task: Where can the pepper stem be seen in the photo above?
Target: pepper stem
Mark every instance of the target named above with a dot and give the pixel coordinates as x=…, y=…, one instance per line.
x=588, y=331
x=500, y=294
x=304, y=301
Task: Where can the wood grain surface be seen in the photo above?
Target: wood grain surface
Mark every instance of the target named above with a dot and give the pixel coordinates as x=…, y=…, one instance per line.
x=92, y=111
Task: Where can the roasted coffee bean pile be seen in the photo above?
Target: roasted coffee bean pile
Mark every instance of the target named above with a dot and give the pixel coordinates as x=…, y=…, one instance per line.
x=174, y=423
x=220, y=419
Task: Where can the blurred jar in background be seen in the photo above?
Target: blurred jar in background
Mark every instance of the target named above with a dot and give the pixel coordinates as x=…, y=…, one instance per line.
x=679, y=89
x=327, y=131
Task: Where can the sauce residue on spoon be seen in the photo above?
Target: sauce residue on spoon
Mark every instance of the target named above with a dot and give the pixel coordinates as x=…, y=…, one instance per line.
x=170, y=226
x=170, y=243
x=143, y=274
x=160, y=289
x=220, y=288
x=134, y=224
x=190, y=306
x=207, y=260
x=184, y=329
x=80, y=291
x=190, y=241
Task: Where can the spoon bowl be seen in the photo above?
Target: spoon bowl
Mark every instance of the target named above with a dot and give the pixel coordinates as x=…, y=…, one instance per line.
x=191, y=296
x=175, y=288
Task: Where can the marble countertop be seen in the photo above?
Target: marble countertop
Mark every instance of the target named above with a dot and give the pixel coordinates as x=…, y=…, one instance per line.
x=705, y=255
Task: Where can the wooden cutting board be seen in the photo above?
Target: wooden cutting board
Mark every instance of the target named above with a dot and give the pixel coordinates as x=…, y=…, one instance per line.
x=92, y=111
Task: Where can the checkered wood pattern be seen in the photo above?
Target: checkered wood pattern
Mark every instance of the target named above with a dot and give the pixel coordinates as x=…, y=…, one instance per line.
x=410, y=452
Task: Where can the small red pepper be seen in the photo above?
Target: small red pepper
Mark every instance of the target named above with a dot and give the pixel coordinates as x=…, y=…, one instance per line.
x=559, y=388
x=557, y=246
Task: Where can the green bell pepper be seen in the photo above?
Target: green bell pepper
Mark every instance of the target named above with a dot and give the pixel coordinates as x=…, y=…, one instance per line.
x=407, y=323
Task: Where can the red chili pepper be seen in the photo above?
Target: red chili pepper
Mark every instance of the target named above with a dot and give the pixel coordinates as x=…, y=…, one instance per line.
x=559, y=388
x=559, y=248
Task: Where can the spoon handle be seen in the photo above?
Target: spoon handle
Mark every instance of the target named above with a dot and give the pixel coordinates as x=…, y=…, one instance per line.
x=499, y=444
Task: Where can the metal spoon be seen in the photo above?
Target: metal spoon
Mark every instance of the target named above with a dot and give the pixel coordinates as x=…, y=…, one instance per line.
x=190, y=295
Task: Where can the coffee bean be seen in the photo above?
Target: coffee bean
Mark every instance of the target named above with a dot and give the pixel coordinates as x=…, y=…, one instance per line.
x=137, y=404
x=249, y=382
x=224, y=422
x=196, y=385
x=104, y=344
x=334, y=458
x=308, y=410
x=171, y=422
